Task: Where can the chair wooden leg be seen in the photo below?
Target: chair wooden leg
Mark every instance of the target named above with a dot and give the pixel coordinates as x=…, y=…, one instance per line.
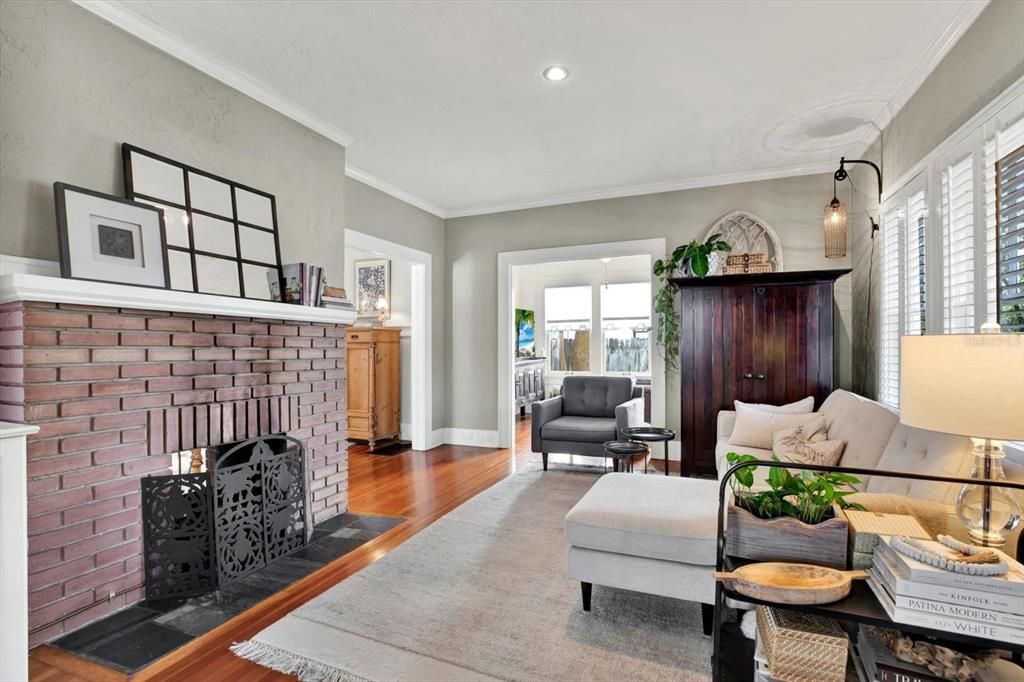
x=544, y=456
x=586, y=587
x=707, y=617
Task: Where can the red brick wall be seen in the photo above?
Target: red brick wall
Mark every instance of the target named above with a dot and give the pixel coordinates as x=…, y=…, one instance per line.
x=113, y=391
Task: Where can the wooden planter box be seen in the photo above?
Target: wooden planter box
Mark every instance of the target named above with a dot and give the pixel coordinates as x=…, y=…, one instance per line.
x=787, y=539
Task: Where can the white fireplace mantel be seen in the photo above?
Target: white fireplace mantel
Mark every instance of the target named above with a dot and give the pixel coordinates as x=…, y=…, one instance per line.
x=19, y=286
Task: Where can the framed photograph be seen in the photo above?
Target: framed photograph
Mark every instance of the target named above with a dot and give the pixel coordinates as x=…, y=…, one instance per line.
x=109, y=239
x=222, y=236
x=373, y=288
x=525, y=347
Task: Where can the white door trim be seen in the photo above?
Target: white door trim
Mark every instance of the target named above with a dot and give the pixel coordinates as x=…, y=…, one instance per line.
x=507, y=260
x=421, y=371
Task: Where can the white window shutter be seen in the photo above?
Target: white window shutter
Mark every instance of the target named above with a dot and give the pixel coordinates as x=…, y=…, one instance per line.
x=957, y=212
x=914, y=267
x=889, y=327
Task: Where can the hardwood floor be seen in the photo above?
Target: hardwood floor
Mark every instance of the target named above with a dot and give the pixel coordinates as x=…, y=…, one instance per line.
x=420, y=486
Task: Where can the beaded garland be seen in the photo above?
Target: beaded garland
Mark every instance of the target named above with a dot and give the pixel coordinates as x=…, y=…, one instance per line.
x=915, y=549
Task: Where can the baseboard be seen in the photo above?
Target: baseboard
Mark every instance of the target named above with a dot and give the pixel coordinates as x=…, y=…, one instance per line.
x=478, y=437
x=20, y=265
x=405, y=431
x=436, y=439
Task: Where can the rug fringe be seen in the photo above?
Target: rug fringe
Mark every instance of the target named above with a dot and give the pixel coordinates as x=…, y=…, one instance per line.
x=306, y=669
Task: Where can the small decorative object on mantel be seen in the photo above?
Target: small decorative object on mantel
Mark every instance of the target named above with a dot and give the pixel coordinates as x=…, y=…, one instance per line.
x=866, y=527
x=373, y=288
x=222, y=236
x=109, y=239
x=802, y=647
x=799, y=517
x=696, y=259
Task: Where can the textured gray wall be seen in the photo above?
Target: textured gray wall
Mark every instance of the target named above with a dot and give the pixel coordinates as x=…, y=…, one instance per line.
x=371, y=211
x=793, y=206
x=73, y=88
x=986, y=61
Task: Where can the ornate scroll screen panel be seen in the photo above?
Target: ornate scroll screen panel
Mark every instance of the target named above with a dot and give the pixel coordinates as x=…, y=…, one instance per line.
x=748, y=233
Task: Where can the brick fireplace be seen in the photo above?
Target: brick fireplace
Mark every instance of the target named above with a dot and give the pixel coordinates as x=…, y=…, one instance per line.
x=115, y=391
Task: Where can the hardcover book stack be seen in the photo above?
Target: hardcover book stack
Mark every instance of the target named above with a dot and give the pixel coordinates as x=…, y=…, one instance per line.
x=334, y=297
x=914, y=593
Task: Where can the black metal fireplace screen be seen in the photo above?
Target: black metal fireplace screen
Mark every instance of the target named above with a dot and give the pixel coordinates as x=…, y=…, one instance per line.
x=203, y=530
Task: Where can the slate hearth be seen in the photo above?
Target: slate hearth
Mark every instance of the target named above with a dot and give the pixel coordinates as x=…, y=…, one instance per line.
x=131, y=639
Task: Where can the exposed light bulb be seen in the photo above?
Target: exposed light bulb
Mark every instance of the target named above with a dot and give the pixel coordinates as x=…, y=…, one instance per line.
x=556, y=73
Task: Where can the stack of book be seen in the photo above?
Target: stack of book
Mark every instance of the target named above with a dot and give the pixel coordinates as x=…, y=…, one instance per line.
x=876, y=662
x=303, y=284
x=914, y=593
x=334, y=297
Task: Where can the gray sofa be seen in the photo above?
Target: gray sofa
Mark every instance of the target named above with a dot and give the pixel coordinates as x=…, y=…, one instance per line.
x=590, y=411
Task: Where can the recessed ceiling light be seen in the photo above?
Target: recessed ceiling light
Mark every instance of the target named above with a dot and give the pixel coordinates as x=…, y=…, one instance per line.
x=606, y=261
x=556, y=73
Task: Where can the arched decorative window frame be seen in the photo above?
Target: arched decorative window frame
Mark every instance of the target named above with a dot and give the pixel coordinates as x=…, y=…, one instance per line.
x=769, y=232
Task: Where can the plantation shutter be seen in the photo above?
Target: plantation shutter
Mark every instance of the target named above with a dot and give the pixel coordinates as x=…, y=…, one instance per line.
x=996, y=145
x=1010, y=240
x=958, y=247
x=889, y=327
x=914, y=269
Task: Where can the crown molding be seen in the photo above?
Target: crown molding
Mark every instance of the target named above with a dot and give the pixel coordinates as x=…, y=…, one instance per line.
x=969, y=11
x=652, y=188
x=397, y=192
x=176, y=46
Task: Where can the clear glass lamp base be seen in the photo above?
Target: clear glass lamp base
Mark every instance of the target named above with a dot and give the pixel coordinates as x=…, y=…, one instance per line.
x=989, y=513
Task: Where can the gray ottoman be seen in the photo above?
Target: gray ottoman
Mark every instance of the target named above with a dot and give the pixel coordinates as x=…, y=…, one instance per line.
x=647, y=534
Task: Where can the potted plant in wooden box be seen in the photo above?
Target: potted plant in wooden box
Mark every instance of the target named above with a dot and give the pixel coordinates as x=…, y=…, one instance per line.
x=798, y=517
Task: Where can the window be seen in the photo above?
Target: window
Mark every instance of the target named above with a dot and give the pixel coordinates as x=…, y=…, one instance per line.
x=567, y=315
x=1010, y=248
x=626, y=327
x=915, y=315
x=889, y=344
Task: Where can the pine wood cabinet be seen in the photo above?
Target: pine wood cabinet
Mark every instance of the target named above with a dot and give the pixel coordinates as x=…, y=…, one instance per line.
x=756, y=338
x=374, y=399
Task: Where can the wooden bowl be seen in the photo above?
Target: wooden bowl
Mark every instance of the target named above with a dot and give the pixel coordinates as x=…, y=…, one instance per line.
x=791, y=583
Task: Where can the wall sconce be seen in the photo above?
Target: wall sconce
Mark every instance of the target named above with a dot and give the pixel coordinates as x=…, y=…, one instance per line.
x=835, y=226
x=835, y=211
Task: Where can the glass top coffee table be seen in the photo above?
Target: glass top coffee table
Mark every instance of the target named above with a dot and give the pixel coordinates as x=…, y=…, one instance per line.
x=651, y=434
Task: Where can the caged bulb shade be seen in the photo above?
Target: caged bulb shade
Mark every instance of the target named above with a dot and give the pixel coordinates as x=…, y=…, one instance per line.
x=835, y=229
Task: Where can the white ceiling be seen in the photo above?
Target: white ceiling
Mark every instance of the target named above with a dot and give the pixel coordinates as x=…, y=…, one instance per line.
x=442, y=103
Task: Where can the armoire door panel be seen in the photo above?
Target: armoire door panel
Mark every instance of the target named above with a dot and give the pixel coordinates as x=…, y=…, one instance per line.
x=756, y=338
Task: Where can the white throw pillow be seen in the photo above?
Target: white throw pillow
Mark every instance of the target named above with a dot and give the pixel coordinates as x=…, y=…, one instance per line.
x=755, y=428
x=799, y=407
x=812, y=432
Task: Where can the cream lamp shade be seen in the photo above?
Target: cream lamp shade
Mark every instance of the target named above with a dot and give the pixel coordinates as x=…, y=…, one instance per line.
x=969, y=384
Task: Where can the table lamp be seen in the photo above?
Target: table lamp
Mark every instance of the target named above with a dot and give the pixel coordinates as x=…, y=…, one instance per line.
x=972, y=385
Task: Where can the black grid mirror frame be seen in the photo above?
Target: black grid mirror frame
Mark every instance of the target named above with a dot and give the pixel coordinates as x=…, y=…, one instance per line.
x=248, y=267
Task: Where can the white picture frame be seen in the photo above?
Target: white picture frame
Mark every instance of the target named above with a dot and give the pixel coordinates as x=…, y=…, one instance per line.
x=105, y=238
x=372, y=279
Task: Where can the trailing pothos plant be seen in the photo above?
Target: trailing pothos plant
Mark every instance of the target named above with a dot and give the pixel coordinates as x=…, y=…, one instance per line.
x=688, y=260
x=804, y=495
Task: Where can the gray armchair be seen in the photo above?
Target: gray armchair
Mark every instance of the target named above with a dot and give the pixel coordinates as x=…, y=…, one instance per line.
x=590, y=411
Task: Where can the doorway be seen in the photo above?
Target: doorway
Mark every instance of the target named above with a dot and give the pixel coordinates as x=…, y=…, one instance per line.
x=510, y=265
x=411, y=300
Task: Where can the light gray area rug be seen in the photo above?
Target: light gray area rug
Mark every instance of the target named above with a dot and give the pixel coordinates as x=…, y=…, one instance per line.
x=481, y=594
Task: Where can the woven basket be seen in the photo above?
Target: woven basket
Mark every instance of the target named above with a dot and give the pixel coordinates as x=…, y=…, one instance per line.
x=747, y=259
x=802, y=647
x=744, y=263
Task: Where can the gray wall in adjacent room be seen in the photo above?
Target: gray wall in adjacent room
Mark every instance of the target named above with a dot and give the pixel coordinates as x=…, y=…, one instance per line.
x=793, y=206
x=73, y=88
x=373, y=212
x=987, y=60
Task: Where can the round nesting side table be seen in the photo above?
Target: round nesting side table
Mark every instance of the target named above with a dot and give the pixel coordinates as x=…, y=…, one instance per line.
x=625, y=451
x=651, y=434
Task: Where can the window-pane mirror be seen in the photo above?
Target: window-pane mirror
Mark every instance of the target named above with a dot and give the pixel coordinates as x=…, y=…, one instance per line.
x=221, y=236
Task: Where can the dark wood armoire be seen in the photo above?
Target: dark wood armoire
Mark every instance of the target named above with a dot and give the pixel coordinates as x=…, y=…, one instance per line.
x=764, y=338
